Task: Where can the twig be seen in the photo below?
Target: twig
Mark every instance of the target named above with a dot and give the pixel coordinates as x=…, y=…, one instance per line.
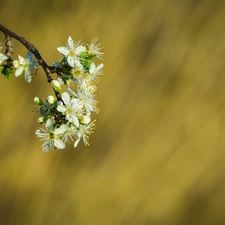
x=48, y=69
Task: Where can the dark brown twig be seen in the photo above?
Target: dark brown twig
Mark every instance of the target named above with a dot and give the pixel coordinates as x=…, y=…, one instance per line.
x=48, y=69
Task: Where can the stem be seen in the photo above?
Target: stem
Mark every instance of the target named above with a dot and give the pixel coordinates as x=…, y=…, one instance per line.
x=48, y=69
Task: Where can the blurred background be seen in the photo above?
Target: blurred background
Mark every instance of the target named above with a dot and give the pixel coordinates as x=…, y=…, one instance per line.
x=157, y=156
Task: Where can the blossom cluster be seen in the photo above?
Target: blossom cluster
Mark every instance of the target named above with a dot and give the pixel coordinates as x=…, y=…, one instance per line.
x=67, y=117
x=70, y=119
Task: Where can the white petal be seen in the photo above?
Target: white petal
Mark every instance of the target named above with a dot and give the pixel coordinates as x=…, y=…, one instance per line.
x=75, y=121
x=63, y=50
x=66, y=98
x=47, y=146
x=29, y=55
x=19, y=71
x=79, y=50
x=3, y=57
x=28, y=77
x=100, y=66
x=71, y=61
x=21, y=60
x=61, y=108
x=59, y=143
x=61, y=129
x=71, y=92
x=92, y=68
x=76, y=142
x=48, y=125
x=70, y=42
x=41, y=133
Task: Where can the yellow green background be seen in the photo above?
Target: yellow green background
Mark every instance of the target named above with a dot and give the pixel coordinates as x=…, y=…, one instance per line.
x=157, y=156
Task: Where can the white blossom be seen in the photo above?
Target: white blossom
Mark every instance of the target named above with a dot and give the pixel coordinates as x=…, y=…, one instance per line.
x=72, y=52
x=94, y=49
x=83, y=133
x=72, y=108
x=51, y=137
x=27, y=65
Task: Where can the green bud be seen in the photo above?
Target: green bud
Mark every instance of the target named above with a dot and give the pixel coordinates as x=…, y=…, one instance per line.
x=15, y=63
x=41, y=119
x=38, y=101
x=51, y=99
x=6, y=71
x=44, y=111
x=55, y=84
x=85, y=120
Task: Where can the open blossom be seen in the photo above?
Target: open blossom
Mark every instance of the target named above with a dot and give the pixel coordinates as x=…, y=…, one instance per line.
x=27, y=65
x=83, y=133
x=72, y=52
x=72, y=108
x=94, y=49
x=87, y=100
x=2, y=56
x=51, y=137
x=95, y=71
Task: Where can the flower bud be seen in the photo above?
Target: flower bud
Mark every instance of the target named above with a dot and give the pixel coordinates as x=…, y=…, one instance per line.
x=41, y=119
x=85, y=120
x=51, y=99
x=38, y=101
x=45, y=111
x=55, y=84
x=15, y=64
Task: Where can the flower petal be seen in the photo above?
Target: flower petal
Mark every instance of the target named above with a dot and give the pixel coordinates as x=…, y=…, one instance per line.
x=61, y=108
x=71, y=61
x=63, y=50
x=49, y=125
x=66, y=98
x=21, y=60
x=58, y=143
x=76, y=142
x=19, y=71
x=75, y=121
x=92, y=68
x=28, y=77
x=61, y=129
x=70, y=42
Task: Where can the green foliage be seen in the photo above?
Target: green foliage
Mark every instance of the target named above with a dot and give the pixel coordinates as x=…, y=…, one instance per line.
x=6, y=70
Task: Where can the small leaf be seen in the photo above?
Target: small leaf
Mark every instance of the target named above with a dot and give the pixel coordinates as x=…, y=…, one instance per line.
x=6, y=71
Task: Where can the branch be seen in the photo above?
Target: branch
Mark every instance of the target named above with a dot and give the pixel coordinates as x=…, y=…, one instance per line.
x=48, y=69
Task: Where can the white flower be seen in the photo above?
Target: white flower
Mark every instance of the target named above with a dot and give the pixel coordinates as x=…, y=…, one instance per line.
x=87, y=100
x=72, y=52
x=51, y=137
x=86, y=86
x=95, y=71
x=27, y=65
x=94, y=49
x=83, y=132
x=70, y=133
x=72, y=108
x=2, y=56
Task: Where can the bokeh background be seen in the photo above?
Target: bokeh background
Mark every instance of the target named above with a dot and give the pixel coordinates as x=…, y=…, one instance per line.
x=157, y=156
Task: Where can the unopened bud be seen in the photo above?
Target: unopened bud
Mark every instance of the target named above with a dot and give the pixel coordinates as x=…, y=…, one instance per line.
x=85, y=120
x=55, y=84
x=41, y=119
x=38, y=101
x=51, y=99
x=45, y=111
x=15, y=64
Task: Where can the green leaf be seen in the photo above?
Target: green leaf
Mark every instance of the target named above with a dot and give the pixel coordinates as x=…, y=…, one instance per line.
x=6, y=71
